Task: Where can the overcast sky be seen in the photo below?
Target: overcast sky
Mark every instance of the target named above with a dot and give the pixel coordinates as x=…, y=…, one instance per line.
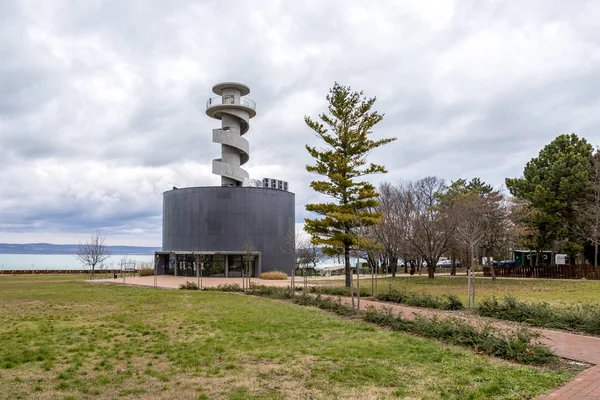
x=102, y=102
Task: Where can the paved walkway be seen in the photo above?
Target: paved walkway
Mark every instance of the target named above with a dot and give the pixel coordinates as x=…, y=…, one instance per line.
x=575, y=347
x=173, y=282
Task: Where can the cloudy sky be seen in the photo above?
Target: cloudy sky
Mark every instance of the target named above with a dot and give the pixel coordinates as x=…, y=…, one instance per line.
x=102, y=102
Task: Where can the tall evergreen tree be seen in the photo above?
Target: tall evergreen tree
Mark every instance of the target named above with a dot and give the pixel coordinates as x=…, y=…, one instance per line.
x=346, y=131
x=551, y=186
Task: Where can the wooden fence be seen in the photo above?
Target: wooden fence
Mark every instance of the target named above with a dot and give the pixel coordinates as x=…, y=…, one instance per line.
x=59, y=271
x=548, y=271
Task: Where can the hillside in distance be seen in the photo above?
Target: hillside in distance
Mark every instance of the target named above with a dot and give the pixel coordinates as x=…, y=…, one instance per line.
x=47, y=248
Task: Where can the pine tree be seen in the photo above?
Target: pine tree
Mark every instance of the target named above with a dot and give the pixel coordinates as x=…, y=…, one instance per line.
x=551, y=186
x=345, y=130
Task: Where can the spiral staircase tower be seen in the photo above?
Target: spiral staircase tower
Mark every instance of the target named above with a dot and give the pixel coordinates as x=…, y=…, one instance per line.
x=220, y=222
x=235, y=111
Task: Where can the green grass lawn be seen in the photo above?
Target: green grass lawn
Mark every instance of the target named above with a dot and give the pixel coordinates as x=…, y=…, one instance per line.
x=557, y=292
x=62, y=338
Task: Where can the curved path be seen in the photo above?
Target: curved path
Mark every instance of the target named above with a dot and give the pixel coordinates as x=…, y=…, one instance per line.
x=572, y=346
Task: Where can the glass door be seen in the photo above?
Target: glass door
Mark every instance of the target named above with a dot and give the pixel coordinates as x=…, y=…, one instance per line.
x=235, y=266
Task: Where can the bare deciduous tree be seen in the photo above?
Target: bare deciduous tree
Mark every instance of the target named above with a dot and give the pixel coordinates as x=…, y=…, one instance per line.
x=390, y=231
x=311, y=254
x=201, y=260
x=495, y=215
x=295, y=246
x=470, y=225
x=431, y=226
x=93, y=252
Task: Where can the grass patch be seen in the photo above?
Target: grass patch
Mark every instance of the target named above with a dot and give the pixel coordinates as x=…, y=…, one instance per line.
x=110, y=341
x=579, y=318
x=274, y=275
x=554, y=292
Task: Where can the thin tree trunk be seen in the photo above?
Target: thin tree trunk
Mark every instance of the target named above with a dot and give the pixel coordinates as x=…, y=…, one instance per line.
x=471, y=257
x=372, y=281
x=347, y=265
x=293, y=282
x=492, y=271
x=358, y=290
x=351, y=290
x=394, y=265
x=469, y=286
x=431, y=269
x=473, y=288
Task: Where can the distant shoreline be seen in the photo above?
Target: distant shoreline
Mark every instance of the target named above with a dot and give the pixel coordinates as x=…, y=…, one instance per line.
x=73, y=254
x=69, y=249
x=9, y=262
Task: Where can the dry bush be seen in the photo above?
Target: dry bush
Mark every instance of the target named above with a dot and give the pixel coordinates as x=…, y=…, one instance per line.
x=274, y=276
x=145, y=271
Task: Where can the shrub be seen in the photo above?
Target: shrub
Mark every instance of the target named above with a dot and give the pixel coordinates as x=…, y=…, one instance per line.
x=273, y=275
x=145, y=271
x=454, y=303
x=230, y=287
x=446, y=302
x=338, y=290
x=189, y=286
x=580, y=318
x=515, y=346
x=269, y=291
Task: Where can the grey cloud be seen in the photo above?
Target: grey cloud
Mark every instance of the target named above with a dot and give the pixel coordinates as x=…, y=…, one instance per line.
x=103, y=103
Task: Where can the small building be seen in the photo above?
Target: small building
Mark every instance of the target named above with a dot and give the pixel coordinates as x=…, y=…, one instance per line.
x=530, y=257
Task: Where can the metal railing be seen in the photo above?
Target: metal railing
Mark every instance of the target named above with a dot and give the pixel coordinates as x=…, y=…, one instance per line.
x=218, y=101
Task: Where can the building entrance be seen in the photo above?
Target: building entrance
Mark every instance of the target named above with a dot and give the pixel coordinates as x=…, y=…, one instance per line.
x=239, y=264
x=217, y=265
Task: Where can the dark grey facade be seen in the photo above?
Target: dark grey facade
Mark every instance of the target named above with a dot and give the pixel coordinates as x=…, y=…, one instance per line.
x=224, y=219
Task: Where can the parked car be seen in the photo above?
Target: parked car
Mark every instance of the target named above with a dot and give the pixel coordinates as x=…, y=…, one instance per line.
x=444, y=263
x=507, y=263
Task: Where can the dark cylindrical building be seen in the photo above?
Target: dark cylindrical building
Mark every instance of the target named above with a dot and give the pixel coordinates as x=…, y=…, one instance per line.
x=242, y=227
x=228, y=220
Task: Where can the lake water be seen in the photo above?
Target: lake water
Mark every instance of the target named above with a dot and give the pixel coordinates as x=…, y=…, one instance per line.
x=67, y=261
x=62, y=261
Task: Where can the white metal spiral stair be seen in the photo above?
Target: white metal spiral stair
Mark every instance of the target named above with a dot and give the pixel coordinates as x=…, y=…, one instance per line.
x=235, y=112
